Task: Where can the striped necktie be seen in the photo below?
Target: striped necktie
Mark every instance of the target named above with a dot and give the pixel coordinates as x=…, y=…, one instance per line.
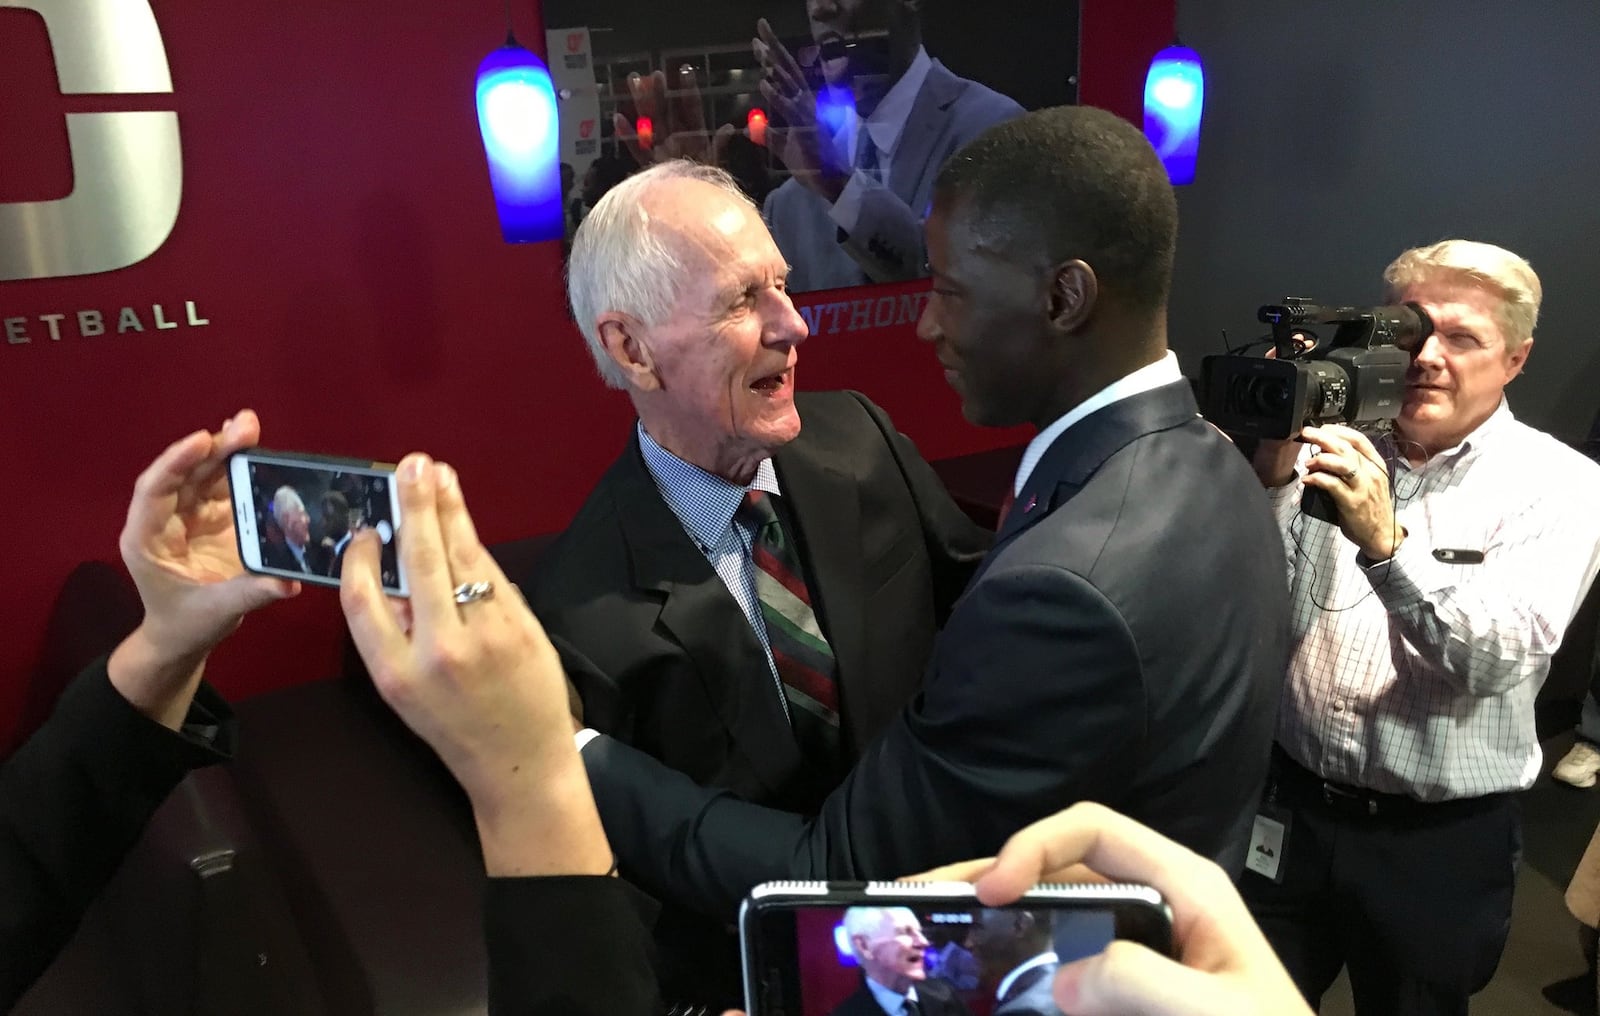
x=800, y=651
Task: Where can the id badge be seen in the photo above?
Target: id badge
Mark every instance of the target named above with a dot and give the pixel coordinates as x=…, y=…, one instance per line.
x=1268, y=840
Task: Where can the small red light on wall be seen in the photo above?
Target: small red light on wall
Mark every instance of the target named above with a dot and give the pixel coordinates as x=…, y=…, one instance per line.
x=757, y=123
x=646, y=131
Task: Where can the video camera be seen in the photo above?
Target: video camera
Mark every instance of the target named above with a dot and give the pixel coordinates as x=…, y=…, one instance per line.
x=1356, y=378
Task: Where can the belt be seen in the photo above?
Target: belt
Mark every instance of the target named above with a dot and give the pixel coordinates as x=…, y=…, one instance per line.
x=1294, y=782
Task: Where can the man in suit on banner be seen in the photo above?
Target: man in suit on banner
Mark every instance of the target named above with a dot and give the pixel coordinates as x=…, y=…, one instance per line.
x=864, y=150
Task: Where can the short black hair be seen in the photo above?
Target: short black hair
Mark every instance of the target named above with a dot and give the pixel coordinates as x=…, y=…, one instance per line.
x=1072, y=182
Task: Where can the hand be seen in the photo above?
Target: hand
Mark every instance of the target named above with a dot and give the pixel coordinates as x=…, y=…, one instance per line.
x=682, y=132
x=804, y=145
x=179, y=545
x=480, y=682
x=1274, y=461
x=1224, y=967
x=1357, y=478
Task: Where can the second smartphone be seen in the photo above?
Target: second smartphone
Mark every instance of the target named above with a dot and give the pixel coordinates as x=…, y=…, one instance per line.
x=839, y=949
x=296, y=513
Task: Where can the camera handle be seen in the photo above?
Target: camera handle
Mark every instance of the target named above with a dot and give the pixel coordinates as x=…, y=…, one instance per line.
x=1319, y=504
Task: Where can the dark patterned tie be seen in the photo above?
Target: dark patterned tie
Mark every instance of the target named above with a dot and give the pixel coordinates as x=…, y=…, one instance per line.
x=800, y=651
x=912, y=1008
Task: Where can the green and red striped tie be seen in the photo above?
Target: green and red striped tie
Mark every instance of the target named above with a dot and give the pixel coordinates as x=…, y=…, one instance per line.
x=804, y=660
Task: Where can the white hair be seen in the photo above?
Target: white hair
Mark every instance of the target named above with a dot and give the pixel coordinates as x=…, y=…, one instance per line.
x=620, y=262
x=868, y=921
x=1484, y=265
x=284, y=500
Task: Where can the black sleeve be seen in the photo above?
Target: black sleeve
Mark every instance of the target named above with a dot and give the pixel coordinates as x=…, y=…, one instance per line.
x=74, y=799
x=569, y=946
x=1034, y=698
x=955, y=543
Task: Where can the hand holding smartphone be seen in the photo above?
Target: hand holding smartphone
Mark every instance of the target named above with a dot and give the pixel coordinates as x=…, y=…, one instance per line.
x=839, y=949
x=295, y=513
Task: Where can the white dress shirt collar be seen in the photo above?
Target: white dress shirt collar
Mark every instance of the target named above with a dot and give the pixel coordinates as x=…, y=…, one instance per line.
x=891, y=1002
x=1147, y=378
x=888, y=121
x=1048, y=956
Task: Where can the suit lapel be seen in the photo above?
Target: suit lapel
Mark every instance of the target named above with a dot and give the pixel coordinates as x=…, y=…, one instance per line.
x=1068, y=464
x=702, y=617
x=827, y=513
x=928, y=121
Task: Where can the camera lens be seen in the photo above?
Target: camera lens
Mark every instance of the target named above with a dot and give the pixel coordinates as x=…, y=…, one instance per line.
x=1269, y=396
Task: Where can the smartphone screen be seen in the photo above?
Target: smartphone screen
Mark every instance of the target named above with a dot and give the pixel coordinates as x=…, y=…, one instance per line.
x=295, y=514
x=819, y=957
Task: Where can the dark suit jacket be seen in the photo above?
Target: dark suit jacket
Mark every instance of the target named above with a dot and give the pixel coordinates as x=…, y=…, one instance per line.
x=1124, y=642
x=1031, y=994
x=278, y=555
x=73, y=800
x=934, y=998
x=665, y=660
x=886, y=244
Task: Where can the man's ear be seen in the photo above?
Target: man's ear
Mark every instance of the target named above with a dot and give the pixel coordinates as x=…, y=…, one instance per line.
x=1074, y=291
x=1516, y=361
x=620, y=335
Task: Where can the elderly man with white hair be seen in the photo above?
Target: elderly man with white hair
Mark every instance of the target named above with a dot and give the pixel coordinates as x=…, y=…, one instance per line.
x=746, y=599
x=889, y=947
x=296, y=553
x=1424, y=623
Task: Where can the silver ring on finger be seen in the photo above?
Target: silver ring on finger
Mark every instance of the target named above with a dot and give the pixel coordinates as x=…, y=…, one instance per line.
x=472, y=592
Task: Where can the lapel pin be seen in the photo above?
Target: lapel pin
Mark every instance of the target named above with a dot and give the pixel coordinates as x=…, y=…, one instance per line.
x=1033, y=499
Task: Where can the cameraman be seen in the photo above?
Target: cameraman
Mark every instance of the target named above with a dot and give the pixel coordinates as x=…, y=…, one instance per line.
x=1424, y=622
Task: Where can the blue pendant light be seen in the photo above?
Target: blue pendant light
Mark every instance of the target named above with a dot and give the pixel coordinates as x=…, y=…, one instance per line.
x=522, y=139
x=1174, y=95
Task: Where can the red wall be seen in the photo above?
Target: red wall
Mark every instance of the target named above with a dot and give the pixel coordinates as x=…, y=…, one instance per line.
x=337, y=232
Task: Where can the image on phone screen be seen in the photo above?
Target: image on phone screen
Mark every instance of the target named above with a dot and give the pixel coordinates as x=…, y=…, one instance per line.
x=296, y=515
x=960, y=961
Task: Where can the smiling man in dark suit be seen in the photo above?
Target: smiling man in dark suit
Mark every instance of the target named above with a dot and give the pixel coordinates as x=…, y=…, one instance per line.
x=889, y=947
x=1123, y=642
x=747, y=600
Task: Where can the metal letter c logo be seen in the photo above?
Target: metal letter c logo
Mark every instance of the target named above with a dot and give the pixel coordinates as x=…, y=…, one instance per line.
x=127, y=167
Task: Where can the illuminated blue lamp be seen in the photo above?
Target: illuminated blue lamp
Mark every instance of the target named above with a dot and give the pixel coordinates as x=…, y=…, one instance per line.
x=1174, y=94
x=521, y=137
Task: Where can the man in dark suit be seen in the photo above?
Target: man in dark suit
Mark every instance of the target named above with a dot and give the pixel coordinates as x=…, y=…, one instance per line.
x=852, y=210
x=76, y=796
x=483, y=686
x=1013, y=949
x=296, y=553
x=889, y=947
x=682, y=634
x=1124, y=640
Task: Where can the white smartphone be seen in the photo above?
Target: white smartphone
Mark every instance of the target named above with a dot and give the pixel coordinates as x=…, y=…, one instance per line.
x=295, y=513
x=825, y=948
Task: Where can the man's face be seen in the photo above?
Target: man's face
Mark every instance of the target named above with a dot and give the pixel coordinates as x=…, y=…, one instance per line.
x=986, y=320
x=893, y=955
x=846, y=19
x=726, y=354
x=868, y=26
x=1458, y=373
x=297, y=526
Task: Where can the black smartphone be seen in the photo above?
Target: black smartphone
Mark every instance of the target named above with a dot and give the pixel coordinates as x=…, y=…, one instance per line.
x=821, y=948
x=295, y=513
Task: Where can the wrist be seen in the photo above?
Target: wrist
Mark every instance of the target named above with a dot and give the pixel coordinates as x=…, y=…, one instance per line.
x=1384, y=546
x=157, y=681
x=540, y=820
